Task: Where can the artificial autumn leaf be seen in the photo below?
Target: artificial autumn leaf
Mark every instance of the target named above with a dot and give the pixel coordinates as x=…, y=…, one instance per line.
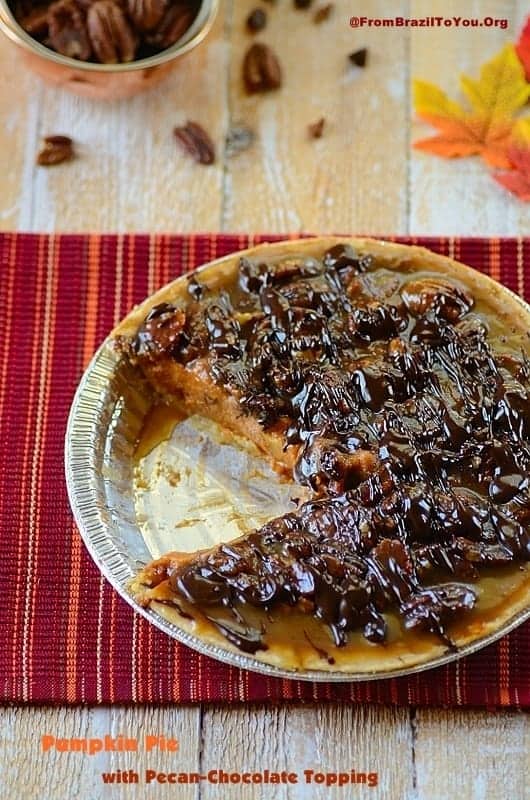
x=523, y=48
x=487, y=127
x=517, y=181
x=521, y=131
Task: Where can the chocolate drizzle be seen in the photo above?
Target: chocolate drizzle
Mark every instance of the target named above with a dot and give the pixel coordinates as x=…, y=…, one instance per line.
x=411, y=429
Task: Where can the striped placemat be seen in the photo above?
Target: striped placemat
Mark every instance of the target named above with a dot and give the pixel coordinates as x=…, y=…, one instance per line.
x=67, y=635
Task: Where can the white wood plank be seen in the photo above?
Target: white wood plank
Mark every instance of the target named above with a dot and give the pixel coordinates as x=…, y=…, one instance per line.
x=334, y=738
x=352, y=179
x=30, y=774
x=476, y=755
x=19, y=110
x=458, y=196
x=129, y=174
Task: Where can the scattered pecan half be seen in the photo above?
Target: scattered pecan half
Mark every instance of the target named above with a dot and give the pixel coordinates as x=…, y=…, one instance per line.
x=67, y=30
x=196, y=142
x=55, y=150
x=111, y=35
x=146, y=14
x=261, y=69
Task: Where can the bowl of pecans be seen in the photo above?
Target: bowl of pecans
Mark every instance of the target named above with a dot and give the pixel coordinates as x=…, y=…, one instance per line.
x=106, y=49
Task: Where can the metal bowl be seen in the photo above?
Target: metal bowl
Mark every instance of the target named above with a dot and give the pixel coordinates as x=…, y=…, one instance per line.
x=104, y=81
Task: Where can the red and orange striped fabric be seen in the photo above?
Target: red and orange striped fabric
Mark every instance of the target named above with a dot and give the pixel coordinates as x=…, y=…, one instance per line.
x=67, y=637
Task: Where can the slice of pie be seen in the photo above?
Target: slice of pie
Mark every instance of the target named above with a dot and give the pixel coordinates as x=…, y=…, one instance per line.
x=394, y=385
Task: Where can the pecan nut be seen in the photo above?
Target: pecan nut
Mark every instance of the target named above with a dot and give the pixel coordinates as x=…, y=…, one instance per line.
x=55, y=150
x=435, y=294
x=111, y=35
x=146, y=14
x=67, y=30
x=173, y=25
x=322, y=13
x=261, y=69
x=196, y=142
x=34, y=22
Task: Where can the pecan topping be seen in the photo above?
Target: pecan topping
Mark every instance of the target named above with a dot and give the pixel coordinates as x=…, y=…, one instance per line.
x=195, y=141
x=261, y=69
x=55, y=150
x=411, y=427
x=111, y=35
x=67, y=30
x=146, y=14
x=433, y=294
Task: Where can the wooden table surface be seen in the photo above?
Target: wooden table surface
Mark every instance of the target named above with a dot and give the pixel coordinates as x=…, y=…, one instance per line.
x=360, y=177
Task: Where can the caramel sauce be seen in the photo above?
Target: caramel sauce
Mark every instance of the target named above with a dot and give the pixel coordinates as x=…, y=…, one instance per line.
x=157, y=427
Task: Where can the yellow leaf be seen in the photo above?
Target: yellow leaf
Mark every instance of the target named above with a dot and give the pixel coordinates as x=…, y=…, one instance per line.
x=521, y=131
x=488, y=126
x=429, y=99
x=501, y=89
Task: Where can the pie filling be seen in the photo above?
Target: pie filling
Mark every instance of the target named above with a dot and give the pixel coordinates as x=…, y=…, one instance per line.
x=395, y=398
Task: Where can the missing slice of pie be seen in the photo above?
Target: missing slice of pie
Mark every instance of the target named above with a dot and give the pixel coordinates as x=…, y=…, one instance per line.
x=394, y=385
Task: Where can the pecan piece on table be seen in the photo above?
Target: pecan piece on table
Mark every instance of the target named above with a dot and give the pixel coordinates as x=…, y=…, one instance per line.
x=174, y=24
x=256, y=20
x=359, y=57
x=67, y=30
x=196, y=142
x=146, y=14
x=238, y=138
x=55, y=150
x=322, y=13
x=111, y=35
x=261, y=69
x=316, y=129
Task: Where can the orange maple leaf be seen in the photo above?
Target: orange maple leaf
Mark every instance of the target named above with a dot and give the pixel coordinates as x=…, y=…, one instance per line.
x=486, y=128
x=517, y=181
x=523, y=48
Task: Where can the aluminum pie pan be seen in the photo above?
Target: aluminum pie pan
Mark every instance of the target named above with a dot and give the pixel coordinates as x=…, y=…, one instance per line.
x=106, y=415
